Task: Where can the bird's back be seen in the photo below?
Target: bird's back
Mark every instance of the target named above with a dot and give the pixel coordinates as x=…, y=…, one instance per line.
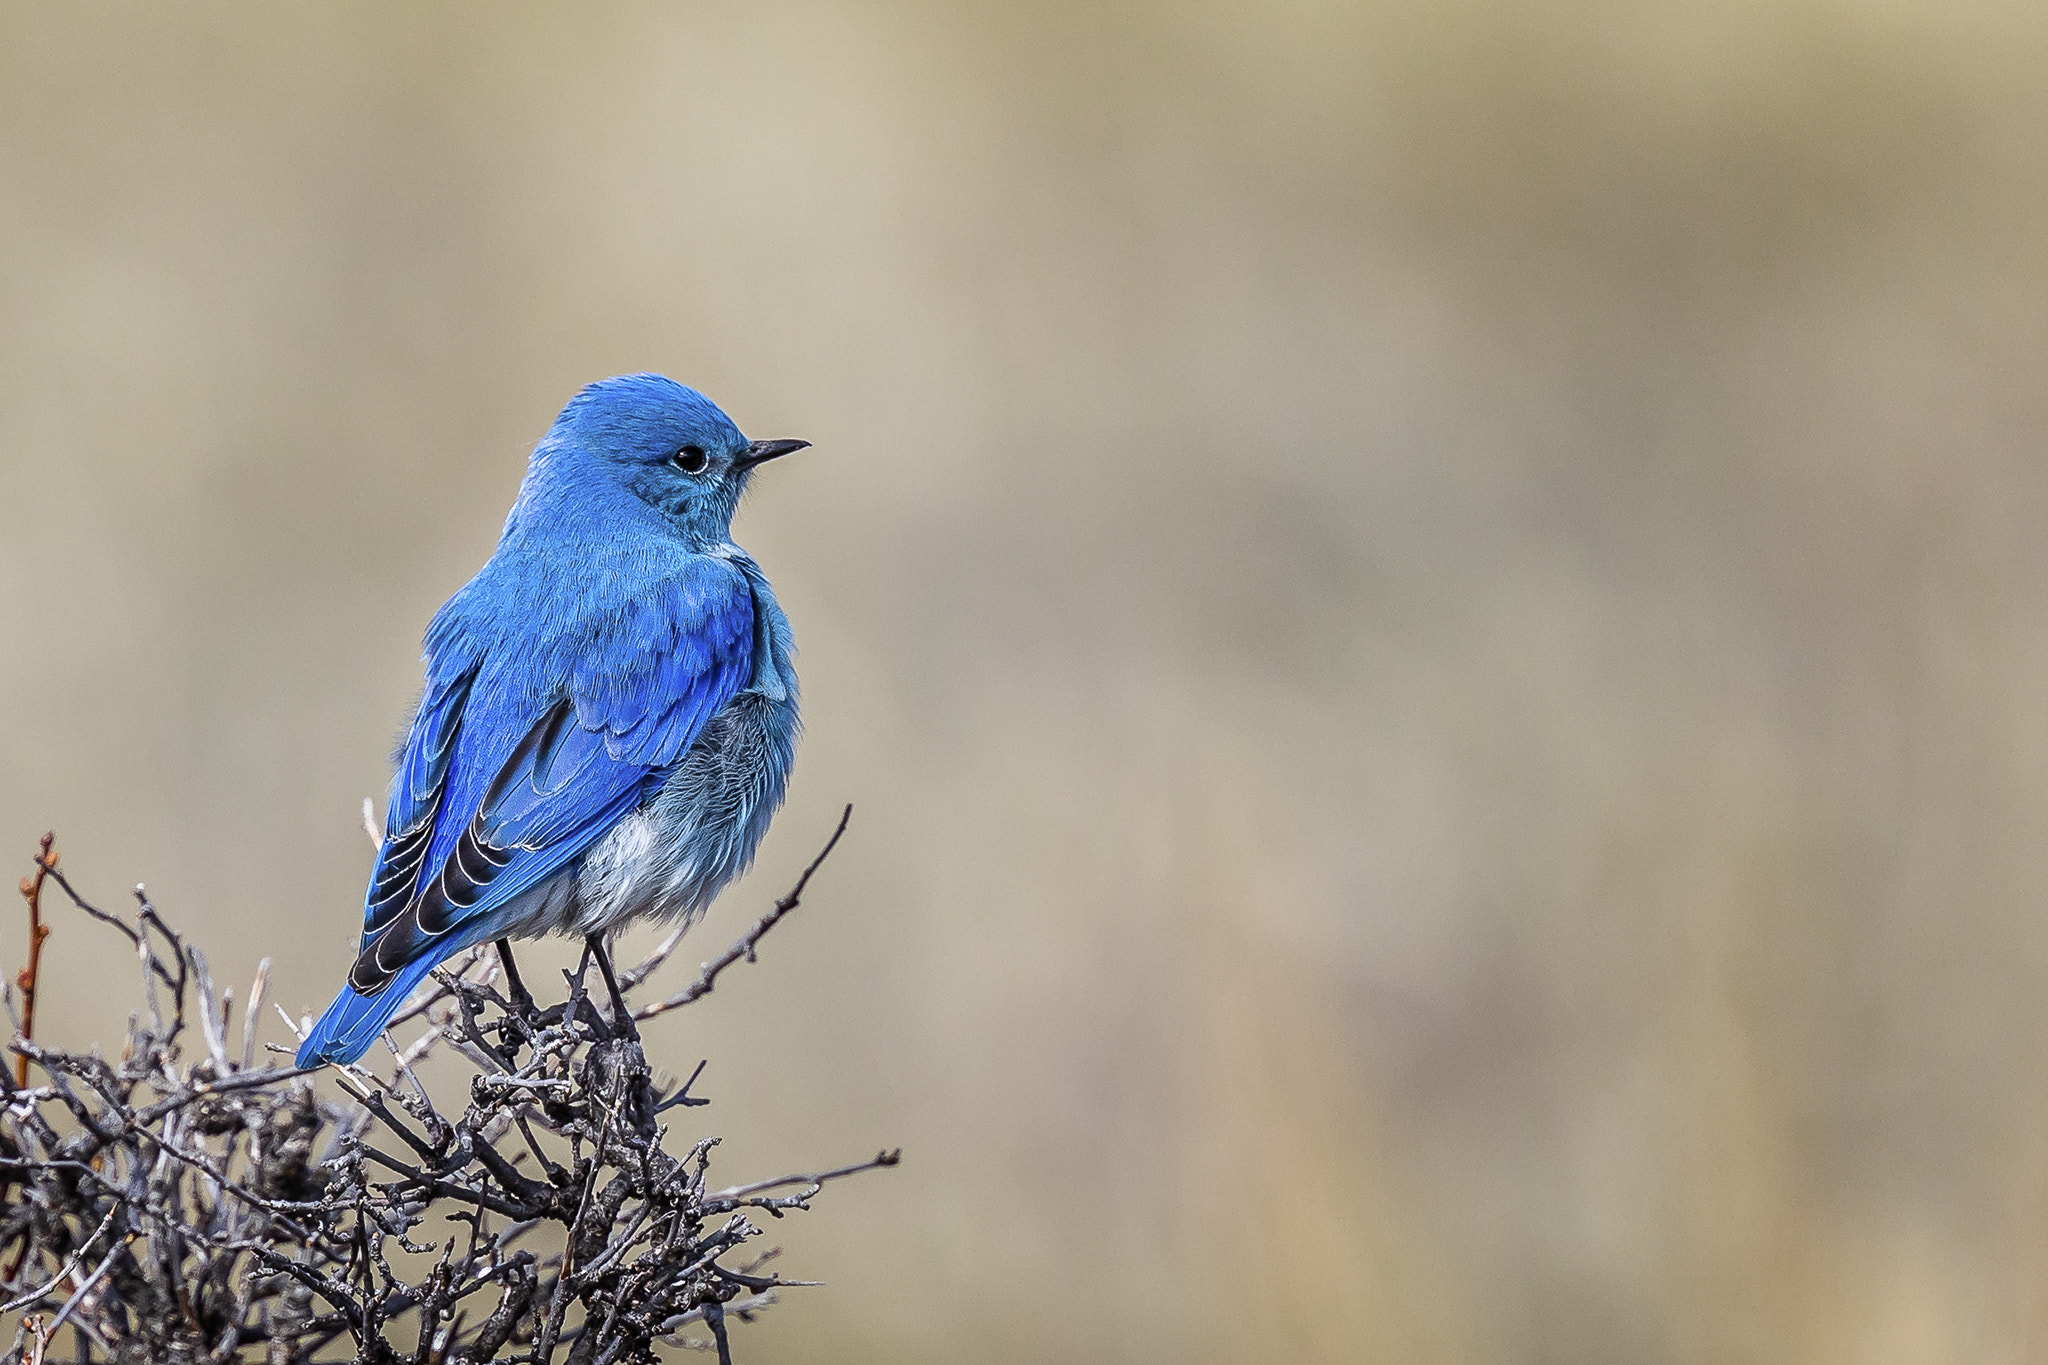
x=704, y=817
x=610, y=711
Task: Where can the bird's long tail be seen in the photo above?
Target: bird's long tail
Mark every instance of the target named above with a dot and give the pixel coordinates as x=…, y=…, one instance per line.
x=353, y=1021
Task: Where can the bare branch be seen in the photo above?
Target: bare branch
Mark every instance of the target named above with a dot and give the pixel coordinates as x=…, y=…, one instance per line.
x=226, y=1207
x=744, y=946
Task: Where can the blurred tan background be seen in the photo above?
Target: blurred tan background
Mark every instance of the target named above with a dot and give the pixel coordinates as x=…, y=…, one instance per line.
x=1436, y=615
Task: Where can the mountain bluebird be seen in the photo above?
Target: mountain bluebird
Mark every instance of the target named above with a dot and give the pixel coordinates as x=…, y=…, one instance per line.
x=610, y=710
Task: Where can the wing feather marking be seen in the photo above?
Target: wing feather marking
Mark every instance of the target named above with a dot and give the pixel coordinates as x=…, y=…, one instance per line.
x=633, y=708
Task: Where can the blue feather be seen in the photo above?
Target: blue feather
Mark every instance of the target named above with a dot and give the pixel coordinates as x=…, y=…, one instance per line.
x=566, y=684
x=353, y=1021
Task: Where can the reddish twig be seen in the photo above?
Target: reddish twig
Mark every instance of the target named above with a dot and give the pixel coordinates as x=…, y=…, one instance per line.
x=32, y=892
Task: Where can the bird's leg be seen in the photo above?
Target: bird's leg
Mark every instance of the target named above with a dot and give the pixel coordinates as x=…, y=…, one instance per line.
x=522, y=1000
x=622, y=1013
x=578, y=1005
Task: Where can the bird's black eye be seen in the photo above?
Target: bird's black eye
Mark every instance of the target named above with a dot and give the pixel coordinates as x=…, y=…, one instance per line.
x=691, y=459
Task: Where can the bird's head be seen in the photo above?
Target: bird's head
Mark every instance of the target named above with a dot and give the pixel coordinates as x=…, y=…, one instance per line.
x=669, y=446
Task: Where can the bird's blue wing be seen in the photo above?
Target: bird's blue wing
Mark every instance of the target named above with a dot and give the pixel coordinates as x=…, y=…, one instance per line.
x=491, y=799
x=679, y=657
x=416, y=790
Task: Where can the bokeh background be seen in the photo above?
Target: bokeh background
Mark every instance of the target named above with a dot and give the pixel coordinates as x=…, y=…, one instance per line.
x=1436, y=614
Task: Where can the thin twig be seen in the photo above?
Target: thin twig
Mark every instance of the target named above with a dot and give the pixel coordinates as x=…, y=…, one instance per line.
x=32, y=892
x=85, y=1288
x=744, y=946
x=258, y=989
x=877, y=1161
x=69, y=1266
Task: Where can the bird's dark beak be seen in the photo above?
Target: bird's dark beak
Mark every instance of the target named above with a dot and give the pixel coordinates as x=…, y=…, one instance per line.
x=760, y=452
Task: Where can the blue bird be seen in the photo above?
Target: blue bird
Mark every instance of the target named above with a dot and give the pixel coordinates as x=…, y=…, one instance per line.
x=610, y=711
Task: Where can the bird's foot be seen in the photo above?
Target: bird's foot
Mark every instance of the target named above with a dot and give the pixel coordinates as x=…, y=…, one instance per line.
x=523, y=1020
x=522, y=999
x=622, y=1014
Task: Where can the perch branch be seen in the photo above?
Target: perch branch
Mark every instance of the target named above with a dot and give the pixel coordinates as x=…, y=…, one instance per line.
x=223, y=1208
